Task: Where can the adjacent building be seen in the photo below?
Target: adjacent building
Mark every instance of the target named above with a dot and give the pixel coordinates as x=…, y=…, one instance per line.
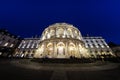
x=27, y=47
x=97, y=46
x=8, y=43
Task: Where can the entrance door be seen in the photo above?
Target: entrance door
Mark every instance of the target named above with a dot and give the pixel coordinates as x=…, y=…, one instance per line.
x=60, y=50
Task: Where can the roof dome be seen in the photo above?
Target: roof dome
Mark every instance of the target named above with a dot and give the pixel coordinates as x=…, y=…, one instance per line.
x=61, y=30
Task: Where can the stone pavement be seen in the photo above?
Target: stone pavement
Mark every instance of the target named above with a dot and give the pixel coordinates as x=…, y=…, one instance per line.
x=26, y=70
x=59, y=75
x=66, y=67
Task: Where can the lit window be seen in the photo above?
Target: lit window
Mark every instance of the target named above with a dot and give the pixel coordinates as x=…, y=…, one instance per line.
x=22, y=55
x=23, y=41
x=52, y=33
x=5, y=44
x=33, y=45
x=76, y=34
x=0, y=53
x=63, y=36
x=70, y=34
x=102, y=46
x=97, y=46
x=24, y=46
x=28, y=45
x=48, y=35
x=91, y=45
x=11, y=45
x=20, y=45
x=81, y=46
x=60, y=32
x=86, y=46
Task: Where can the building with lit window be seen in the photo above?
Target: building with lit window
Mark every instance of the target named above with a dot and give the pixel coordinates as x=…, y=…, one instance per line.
x=27, y=47
x=97, y=46
x=62, y=40
x=8, y=43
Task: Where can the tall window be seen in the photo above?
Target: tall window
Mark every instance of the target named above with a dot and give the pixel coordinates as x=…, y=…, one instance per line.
x=11, y=45
x=69, y=33
x=72, y=49
x=52, y=33
x=61, y=48
x=28, y=44
x=60, y=32
x=76, y=34
x=5, y=44
x=50, y=48
x=47, y=34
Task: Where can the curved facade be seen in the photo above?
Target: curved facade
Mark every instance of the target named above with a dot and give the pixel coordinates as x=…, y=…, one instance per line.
x=61, y=40
x=61, y=30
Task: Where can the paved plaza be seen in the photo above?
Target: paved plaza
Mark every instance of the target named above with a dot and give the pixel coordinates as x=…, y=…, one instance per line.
x=27, y=70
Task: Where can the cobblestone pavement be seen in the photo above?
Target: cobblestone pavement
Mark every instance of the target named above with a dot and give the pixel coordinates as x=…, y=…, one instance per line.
x=26, y=70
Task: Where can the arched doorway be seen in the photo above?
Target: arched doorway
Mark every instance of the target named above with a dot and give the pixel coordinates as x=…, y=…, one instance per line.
x=72, y=51
x=60, y=50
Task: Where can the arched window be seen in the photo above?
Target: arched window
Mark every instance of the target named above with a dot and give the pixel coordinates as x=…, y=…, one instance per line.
x=52, y=33
x=75, y=34
x=49, y=48
x=60, y=32
x=61, y=48
x=72, y=49
x=47, y=35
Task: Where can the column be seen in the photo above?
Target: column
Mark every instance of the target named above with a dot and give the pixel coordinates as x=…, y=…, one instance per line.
x=66, y=50
x=77, y=49
x=55, y=49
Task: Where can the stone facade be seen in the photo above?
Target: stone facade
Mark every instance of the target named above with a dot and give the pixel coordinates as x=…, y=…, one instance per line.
x=62, y=40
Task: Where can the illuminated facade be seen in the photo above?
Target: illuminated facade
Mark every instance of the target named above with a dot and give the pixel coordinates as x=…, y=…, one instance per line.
x=97, y=46
x=62, y=40
x=27, y=47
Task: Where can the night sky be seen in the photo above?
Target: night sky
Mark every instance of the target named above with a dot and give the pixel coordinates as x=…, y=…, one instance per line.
x=27, y=18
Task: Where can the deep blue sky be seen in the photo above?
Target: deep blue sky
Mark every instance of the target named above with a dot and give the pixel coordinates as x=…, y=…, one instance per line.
x=30, y=17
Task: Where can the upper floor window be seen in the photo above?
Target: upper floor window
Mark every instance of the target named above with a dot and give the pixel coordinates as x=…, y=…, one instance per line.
x=60, y=32
x=11, y=45
x=52, y=33
x=5, y=44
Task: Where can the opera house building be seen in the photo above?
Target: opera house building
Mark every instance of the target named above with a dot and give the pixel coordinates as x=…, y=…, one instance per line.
x=62, y=40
